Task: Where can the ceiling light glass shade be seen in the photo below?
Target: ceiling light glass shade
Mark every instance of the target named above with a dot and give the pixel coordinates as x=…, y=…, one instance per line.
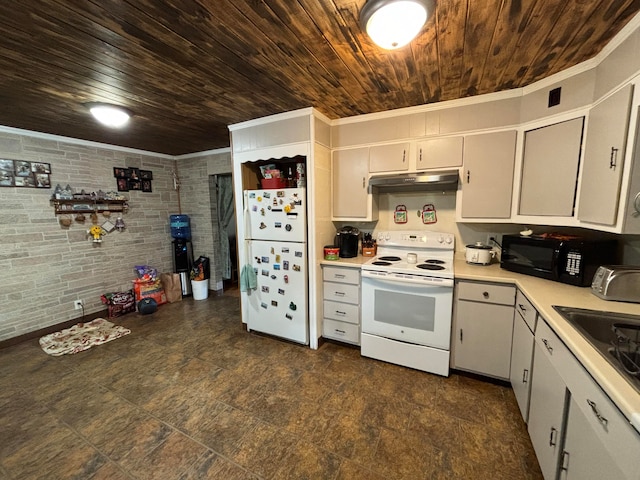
x=110, y=115
x=393, y=24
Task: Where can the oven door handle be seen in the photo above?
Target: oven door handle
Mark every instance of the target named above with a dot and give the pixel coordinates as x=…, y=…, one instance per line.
x=405, y=279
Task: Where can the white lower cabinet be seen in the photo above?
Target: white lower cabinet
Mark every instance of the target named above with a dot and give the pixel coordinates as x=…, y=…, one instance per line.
x=584, y=456
x=521, y=363
x=483, y=325
x=341, y=305
x=575, y=429
x=546, y=411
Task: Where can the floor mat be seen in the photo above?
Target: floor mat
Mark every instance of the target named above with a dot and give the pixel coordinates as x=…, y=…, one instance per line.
x=81, y=337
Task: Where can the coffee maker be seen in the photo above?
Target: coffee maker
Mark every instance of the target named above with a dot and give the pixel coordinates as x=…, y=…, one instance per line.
x=347, y=240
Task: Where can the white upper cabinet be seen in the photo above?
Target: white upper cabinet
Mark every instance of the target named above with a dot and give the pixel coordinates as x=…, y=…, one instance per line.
x=389, y=158
x=349, y=183
x=439, y=153
x=550, y=169
x=487, y=179
x=603, y=158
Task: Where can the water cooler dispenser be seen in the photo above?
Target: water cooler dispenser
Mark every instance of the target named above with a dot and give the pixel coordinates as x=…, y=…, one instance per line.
x=182, y=250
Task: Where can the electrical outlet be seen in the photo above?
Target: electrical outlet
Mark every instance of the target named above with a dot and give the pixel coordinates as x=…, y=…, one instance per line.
x=78, y=305
x=491, y=242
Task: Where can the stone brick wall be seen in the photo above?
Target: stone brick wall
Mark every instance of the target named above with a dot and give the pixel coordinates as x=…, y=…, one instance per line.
x=46, y=266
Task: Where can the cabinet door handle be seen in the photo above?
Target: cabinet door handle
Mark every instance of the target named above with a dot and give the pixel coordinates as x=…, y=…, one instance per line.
x=420, y=160
x=613, y=161
x=546, y=344
x=522, y=307
x=340, y=331
x=525, y=375
x=468, y=175
x=404, y=155
x=460, y=335
x=594, y=409
x=564, y=461
x=338, y=275
x=338, y=312
x=339, y=294
x=362, y=182
x=552, y=437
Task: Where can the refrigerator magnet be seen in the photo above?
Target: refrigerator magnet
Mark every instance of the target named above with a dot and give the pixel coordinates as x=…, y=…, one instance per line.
x=252, y=194
x=276, y=266
x=280, y=202
x=259, y=199
x=274, y=303
x=293, y=306
x=263, y=305
x=278, y=225
x=296, y=268
x=293, y=215
x=277, y=258
x=262, y=212
x=273, y=277
x=266, y=194
x=280, y=193
x=264, y=289
x=298, y=254
x=265, y=273
x=276, y=210
x=265, y=259
x=287, y=208
x=272, y=251
x=286, y=280
x=281, y=291
x=269, y=208
x=257, y=259
x=285, y=265
x=288, y=227
x=254, y=208
x=289, y=317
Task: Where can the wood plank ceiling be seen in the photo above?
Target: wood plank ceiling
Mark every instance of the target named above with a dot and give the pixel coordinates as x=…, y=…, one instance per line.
x=189, y=68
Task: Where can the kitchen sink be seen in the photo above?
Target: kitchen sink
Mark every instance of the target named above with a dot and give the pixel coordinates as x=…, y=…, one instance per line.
x=616, y=336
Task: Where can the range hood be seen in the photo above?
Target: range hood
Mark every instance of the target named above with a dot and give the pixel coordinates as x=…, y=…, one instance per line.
x=414, y=182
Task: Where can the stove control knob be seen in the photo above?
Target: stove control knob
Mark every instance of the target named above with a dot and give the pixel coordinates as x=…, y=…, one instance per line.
x=387, y=236
x=440, y=239
x=449, y=240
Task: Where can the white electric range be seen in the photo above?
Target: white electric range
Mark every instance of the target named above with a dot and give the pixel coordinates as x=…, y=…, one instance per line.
x=407, y=300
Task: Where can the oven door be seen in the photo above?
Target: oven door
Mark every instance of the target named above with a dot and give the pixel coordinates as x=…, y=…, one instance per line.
x=414, y=310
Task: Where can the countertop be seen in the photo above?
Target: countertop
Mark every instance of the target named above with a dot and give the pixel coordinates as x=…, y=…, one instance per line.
x=543, y=294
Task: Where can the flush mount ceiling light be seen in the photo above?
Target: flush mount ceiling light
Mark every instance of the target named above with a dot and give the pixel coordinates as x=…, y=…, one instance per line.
x=392, y=24
x=109, y=115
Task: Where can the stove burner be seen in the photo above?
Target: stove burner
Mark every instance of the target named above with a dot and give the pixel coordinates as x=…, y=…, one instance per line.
x=434, y=261
x=430, y=266
x=390, y=258
x=381, y=263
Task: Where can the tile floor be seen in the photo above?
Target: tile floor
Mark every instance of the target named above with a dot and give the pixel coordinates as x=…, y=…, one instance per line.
x=190, y=395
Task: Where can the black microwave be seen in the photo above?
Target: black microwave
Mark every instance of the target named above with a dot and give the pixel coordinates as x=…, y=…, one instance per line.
x=562, y=258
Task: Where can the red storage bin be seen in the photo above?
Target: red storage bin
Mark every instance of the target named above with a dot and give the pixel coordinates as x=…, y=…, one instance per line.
x=271, y=183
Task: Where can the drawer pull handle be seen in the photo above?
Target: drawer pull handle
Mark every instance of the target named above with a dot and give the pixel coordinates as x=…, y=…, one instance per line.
x=546, y=344
x=525, y=375
x=339, y=275
x=613, y=161
x=338, y=312
x=460, y=335
x=485, y=294
x=339, y=294
x=552, y=437
x=598, y=415
x=522, y=307
x=340, y=331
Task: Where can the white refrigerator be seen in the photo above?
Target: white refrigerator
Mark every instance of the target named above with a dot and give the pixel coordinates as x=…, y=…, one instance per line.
x=276, y=248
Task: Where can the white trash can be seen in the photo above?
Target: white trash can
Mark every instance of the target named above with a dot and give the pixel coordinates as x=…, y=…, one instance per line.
x=200, y=289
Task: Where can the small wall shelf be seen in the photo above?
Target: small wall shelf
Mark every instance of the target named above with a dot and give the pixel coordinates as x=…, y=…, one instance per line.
x=98, y=205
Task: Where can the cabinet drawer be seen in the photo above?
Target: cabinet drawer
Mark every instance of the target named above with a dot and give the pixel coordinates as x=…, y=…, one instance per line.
x=343, y=312
x=342, y=292
x=345, y=332
x=488, y=293
x=341, y=275
x=526, y=310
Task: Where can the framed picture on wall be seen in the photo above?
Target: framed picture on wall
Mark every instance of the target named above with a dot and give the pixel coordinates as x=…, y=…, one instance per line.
x=135, y=185
x=25, y=181
x=134, y=174
x=123, y=184
x=39, y=167
x=7, y=174
x=42, y=180
x=146, y=175
x=146, y=186
x=119, y=172
x=22, y=168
